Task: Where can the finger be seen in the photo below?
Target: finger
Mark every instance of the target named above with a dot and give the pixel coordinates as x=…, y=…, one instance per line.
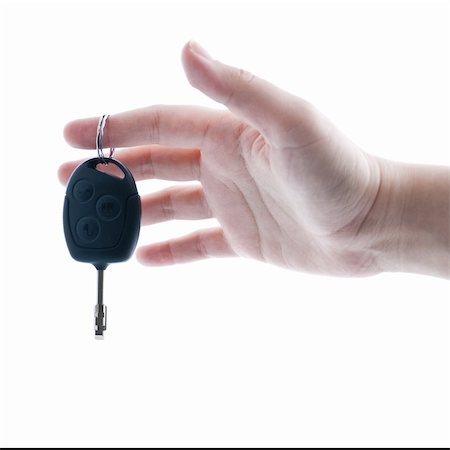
x=199, y=245
x=178, y=202
x=182, y=126
x=268, y=108
x=151, y=161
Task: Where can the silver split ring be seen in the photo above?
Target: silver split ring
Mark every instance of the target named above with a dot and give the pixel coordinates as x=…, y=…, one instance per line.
x=99, y=139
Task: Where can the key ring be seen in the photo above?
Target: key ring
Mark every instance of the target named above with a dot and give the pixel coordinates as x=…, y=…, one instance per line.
x=99, y=139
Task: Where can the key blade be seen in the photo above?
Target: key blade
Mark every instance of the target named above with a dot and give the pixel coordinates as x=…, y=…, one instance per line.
x=100, y=308
x=100, y=320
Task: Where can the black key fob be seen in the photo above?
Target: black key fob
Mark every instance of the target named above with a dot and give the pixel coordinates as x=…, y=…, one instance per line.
x=102, y=214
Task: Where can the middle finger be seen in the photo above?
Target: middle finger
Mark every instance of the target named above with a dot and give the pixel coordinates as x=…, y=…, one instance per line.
x=150, y=161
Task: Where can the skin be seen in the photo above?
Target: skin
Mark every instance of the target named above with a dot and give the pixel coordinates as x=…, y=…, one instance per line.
x=286, y=186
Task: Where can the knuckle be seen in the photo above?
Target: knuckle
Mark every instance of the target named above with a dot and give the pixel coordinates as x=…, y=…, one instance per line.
x=200, y=245
x=244, y=77
x=147, y=167
x=154, y=123
x=248, y=137
x=239, y=131
x=240, y=81
x=167, y=204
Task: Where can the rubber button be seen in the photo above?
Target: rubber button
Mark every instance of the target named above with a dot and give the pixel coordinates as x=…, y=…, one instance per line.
x=108, y=207
x=88, y=229
x=83, y=191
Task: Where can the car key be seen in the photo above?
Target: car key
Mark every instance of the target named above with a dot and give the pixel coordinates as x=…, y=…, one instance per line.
x=102, y=215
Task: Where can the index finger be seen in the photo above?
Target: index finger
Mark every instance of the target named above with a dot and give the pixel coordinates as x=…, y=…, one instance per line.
x=181, y=126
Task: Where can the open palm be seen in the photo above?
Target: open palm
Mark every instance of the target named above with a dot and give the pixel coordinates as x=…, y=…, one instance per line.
x=285, y=185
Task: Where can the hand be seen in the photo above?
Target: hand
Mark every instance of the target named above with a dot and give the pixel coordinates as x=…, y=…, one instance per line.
x=285, y=185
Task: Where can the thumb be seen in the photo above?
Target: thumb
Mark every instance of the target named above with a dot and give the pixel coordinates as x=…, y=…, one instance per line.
x=258, y=102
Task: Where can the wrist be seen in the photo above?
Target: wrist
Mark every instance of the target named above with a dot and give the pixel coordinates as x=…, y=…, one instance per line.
x=409, y=220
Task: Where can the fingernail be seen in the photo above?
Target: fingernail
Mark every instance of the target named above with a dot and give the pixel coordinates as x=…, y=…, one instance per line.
x=198, y=49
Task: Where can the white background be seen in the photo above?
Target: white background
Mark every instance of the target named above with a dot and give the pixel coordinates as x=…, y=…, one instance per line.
x=219, y=352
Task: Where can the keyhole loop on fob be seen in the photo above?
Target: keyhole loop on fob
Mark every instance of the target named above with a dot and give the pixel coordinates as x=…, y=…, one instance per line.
x=110, y=169
x=99, y=140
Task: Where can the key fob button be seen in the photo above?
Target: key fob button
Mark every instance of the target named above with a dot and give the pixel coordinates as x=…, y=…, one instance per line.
x=83, y=191
x=108, y=207
x=88, y=229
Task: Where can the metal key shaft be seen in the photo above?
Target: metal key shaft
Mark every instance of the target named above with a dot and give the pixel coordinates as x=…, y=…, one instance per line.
x=100, y=308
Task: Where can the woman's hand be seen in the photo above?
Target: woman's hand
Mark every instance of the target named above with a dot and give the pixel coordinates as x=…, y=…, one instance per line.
x=286, y=186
